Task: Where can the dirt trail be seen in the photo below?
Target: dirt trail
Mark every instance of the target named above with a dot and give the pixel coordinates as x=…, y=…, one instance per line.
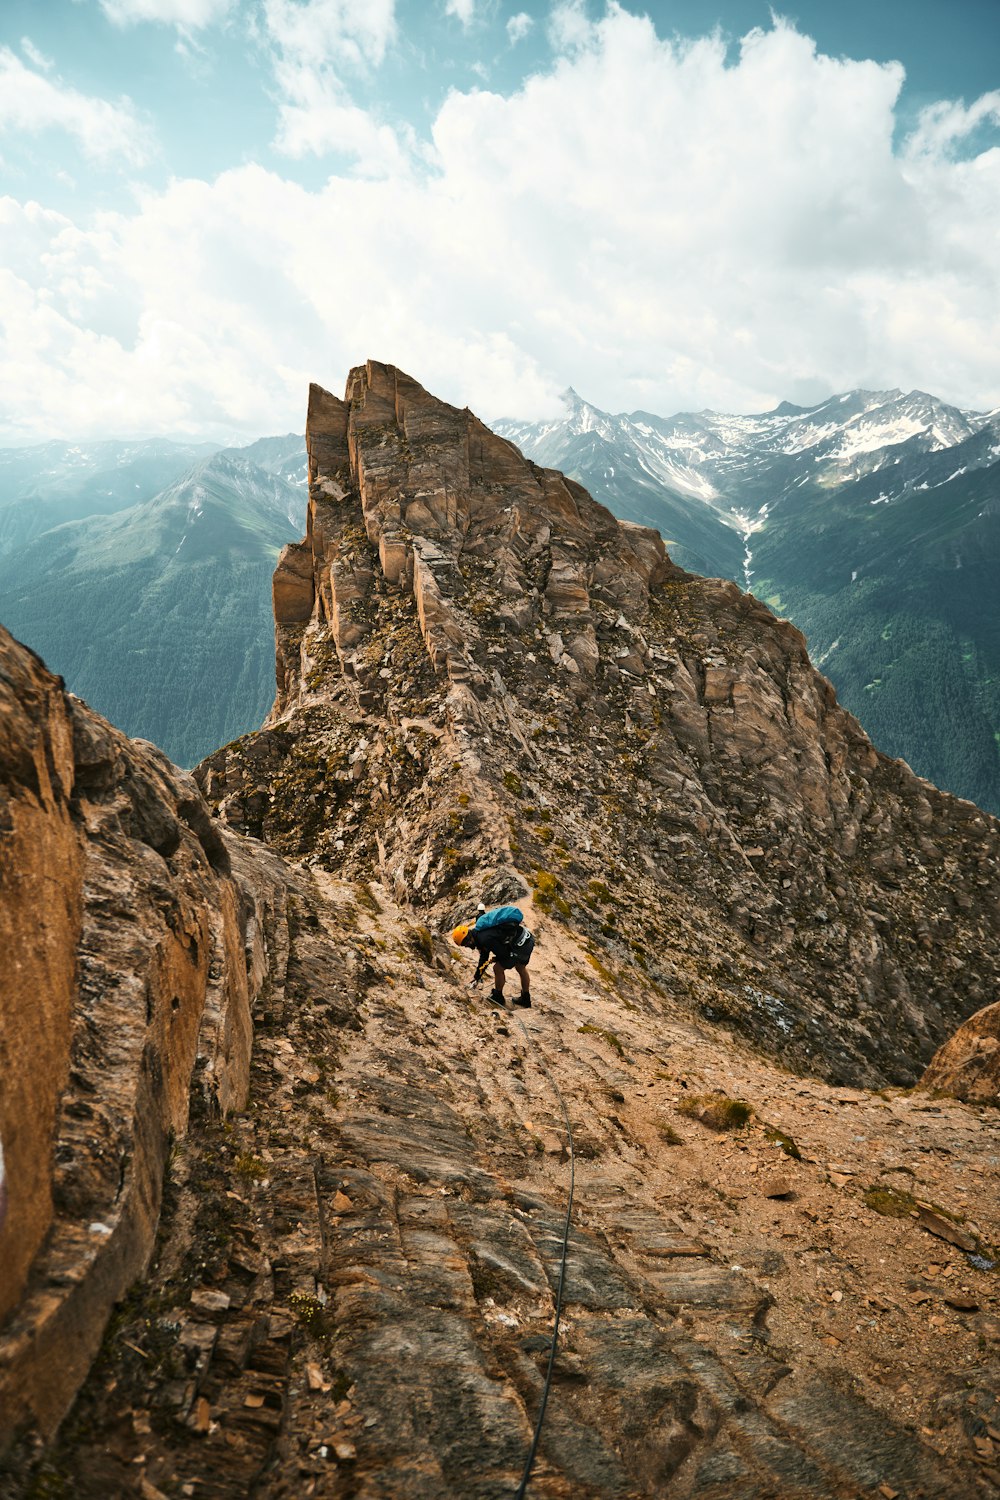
x=354, y=1289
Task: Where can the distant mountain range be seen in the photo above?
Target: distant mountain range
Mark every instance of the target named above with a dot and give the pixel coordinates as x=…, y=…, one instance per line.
x=872, y=520
x=142, y=573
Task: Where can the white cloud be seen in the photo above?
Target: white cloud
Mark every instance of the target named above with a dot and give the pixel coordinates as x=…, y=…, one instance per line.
x=518, y=27
x=569, y=27
x=661, y=225
x=30, y=102
x=319, y=49
x=462, y=10
x=946, y=124
x=317, y=116
x=36, y=58
x=331, y=33
x=190, y=15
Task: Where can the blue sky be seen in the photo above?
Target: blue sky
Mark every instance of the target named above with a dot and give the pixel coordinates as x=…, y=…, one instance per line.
x=205, y=203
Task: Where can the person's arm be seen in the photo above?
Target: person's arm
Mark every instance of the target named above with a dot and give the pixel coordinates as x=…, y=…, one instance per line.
x=484, y=958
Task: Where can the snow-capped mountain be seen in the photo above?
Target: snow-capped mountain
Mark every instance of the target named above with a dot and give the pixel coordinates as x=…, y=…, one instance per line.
x=707, y=454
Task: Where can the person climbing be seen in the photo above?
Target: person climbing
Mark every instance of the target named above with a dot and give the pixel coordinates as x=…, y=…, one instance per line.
x=499, y=934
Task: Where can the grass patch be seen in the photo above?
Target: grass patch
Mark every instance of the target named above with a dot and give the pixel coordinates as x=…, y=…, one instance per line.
x=546, y=891
x=717, y=1111
x=668, y=1135
x=597, y=893
x=250, y=1167
x=365, y=896
x=420, y=940
x=601, y=969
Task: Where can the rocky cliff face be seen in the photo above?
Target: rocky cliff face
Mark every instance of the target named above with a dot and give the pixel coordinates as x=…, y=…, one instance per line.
x=134, y=943
x=482, y=673
x=777, y=1285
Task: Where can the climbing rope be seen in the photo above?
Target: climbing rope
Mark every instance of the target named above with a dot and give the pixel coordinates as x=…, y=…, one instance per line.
x=522, y=1487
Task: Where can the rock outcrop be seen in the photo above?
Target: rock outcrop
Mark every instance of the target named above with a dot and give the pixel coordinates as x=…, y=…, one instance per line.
x=134, y=943
x=480, y=669
x=968, y=1065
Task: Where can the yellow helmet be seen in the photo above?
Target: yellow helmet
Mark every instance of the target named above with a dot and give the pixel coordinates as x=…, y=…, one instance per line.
x=461, y=932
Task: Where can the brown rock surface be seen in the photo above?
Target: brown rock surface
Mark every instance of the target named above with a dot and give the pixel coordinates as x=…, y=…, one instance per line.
x=968, y=1065
x=130, y=956
x=355, y=1287
x=40, y=905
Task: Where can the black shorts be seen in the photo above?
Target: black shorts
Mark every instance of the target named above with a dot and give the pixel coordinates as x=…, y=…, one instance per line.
x=516, y=953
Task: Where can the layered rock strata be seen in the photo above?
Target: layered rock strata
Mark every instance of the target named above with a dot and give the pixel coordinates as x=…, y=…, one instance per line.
x=480, y=671
x=136, y=936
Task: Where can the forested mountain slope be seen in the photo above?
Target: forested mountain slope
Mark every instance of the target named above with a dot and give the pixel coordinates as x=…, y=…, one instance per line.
x=160, y=615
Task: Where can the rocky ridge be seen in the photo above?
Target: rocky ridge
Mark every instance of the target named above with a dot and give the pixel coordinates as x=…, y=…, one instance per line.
x=480, y=670
x=487, y=686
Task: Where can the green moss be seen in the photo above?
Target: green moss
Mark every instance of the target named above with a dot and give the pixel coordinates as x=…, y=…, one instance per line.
x=546, y=891
x=310, y=1312
x=785, y=1142
x=598, y=891
x=604, y=1034
x=717, y=1111
x=893, y=1203
x=512, y=782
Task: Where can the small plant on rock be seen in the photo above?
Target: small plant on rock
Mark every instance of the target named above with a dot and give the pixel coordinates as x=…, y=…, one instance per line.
x=421, y=941
x=717, y=1111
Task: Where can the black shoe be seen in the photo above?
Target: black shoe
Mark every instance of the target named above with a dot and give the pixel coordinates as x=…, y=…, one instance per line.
x=523, y=999
x=497, y=997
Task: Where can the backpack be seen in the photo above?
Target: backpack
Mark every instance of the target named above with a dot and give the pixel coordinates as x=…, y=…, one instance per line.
x=507, y=917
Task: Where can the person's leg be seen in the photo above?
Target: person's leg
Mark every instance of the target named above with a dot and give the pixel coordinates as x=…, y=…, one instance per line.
x=524, y=998
x=499, y=977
